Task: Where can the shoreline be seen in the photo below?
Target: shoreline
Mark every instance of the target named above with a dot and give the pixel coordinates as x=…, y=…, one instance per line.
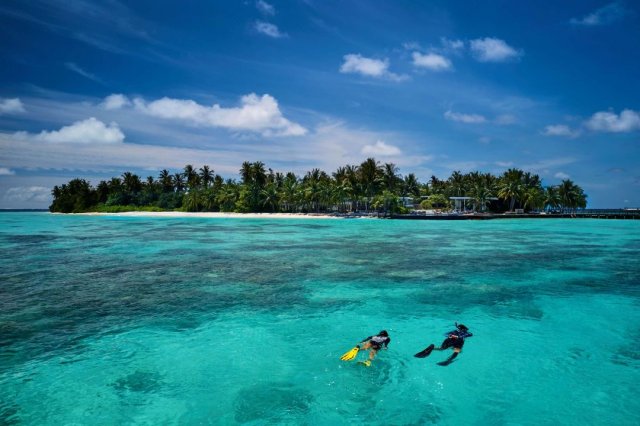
x=220, y=215
x=604, y=214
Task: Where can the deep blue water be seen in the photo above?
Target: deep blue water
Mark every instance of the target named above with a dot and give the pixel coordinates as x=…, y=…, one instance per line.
x=114, y=320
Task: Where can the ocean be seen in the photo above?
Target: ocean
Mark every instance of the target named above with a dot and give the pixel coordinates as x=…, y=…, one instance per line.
x=145, y=321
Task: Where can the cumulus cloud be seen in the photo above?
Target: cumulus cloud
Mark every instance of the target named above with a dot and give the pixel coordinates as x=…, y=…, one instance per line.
x=606, y=121
x=256, y=113
x=380, y=149
x=464, y=118
x=561, y=175
x=327, y=146
x=6, y=172
x=378, y=68
x=493, y=50
x=268, y=29
x=11, y=106
x=431, y=61
x=115, y=101
x=25, y=194
x=560, y=130
x=265, y=8
x=603, y=16
x=89, y=131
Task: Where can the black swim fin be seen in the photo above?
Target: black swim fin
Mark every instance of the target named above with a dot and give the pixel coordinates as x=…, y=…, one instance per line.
x=448, y=360
x=425, y=353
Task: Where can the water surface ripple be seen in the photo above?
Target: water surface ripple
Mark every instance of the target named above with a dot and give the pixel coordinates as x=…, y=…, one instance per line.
x=112, y=320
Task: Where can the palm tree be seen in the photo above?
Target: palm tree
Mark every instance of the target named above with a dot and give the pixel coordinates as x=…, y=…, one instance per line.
x=166, y=181
x=289, y=192
x=311, y=185
x=246, y=173
x=132, y=183
x=571, y=195
x=228, y=196
x=369, y=179
x=270, y=196
x=191, y=176
x=481, y=195
x=192, y=201
x=390, y=177
x=511, y=186
x=551, y=197
x=533, y=198
x=436, y=185
x=178, y=182
x=456, y=184
x=102, y=191
x=206, y=175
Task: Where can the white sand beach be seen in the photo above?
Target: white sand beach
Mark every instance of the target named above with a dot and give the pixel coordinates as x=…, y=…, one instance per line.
x=219, y=215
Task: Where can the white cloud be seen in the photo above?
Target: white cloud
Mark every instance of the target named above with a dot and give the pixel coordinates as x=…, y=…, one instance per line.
x=268, y=29
x=89, y=131
x=484, y=140
x=411, y=45
x=561, y=175
x=75, y=68
x=560, y=130
x=358, y=64
x=265, y=8
x=465, y=118
x=257, y=114
x=506, y=119
x=452, y=45
x=6, y=172
x=24, y=194
x=431, y=61
x=627, y=121
x=327, y=147
x=504, y=163
x=11, y=106
x=605, y=15
x=548, y=163
x=380, y=149
x=493, y=50
x=115, y=101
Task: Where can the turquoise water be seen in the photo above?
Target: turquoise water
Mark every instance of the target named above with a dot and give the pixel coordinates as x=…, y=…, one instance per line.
x=111, y=320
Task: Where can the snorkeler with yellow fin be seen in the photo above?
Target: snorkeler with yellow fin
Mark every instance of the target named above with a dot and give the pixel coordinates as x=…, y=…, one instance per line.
x=373, y=344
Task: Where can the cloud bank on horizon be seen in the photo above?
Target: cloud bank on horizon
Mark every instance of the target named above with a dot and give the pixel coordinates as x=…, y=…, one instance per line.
x=300, y=87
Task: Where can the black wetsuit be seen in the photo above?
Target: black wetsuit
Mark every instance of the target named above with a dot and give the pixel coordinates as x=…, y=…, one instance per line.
x=378, y=341
x=455, y=339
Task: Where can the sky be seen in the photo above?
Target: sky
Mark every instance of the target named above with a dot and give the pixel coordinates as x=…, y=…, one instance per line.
x=92, y=89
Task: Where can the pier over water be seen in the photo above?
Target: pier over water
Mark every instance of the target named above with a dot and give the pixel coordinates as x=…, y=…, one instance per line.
x=586, y=213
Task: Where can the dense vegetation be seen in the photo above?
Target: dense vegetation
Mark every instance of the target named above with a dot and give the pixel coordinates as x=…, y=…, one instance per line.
x=370, y=186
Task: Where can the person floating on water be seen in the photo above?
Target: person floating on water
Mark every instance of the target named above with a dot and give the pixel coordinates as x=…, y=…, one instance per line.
x=372, y=343
x=455, y=340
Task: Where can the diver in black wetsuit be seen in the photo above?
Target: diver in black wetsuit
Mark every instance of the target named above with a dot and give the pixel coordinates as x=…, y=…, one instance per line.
x=455, y=340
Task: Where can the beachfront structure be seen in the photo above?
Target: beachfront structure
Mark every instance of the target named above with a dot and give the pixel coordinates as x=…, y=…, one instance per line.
x=460, y=203
x=407, y=202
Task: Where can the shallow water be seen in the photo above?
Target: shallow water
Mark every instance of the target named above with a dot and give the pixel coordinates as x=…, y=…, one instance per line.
x=112, y=320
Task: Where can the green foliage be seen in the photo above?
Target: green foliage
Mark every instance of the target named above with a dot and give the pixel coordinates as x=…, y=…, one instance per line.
x=436, y=201
x=365, y=187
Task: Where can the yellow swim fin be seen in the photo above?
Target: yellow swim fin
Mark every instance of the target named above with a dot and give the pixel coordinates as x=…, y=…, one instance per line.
x=351, y=354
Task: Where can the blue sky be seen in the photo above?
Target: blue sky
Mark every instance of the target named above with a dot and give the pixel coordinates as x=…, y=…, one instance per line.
x=92, y=89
